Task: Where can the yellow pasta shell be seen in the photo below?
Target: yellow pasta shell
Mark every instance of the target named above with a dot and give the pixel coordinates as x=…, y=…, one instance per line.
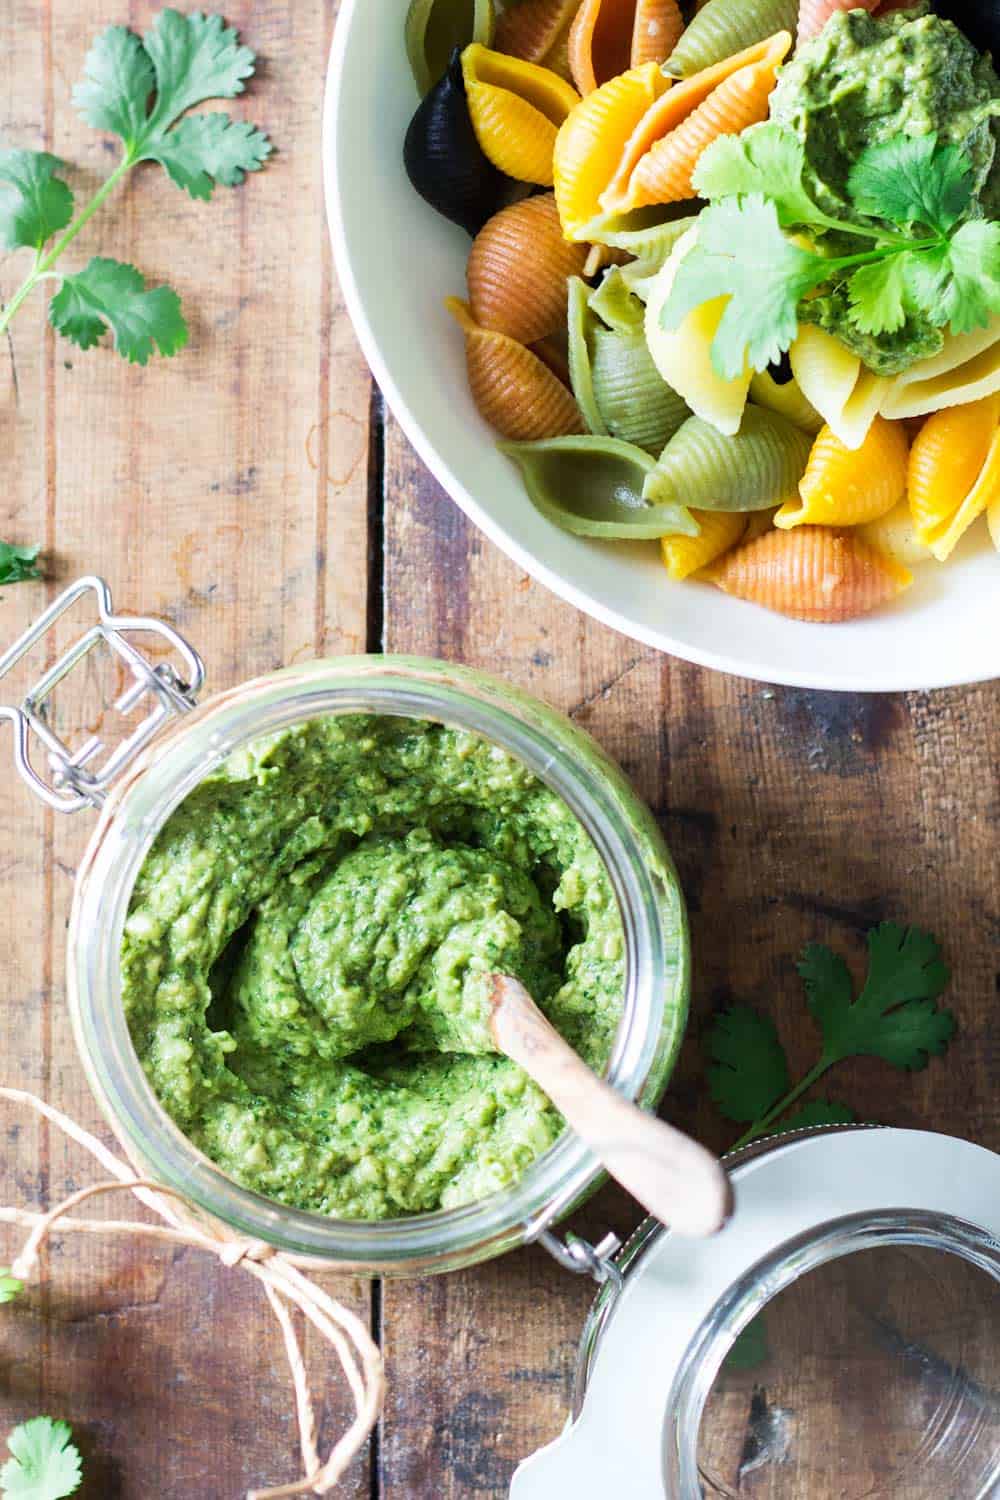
x=513, y=390
x=518, y=269
x=895, y=535
x=947, y=464
x=609, y=36
x=590, y=144
x=516, y=110
x=664, y=149
x=815, y=574
x=719, y=531
x=537, y=31
x=848, y=486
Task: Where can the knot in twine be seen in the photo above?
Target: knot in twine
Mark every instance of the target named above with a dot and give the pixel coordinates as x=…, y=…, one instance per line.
x=279, y=1274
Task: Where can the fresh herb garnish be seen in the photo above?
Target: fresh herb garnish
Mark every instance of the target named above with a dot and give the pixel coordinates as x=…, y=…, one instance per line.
x=895, y=1017
x=10, y=1287
x=46, y=1464
x=138, y=90
x=18, y=565
x=919, y=253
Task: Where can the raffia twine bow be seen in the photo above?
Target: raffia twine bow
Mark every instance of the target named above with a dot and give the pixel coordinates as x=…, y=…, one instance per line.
x=280, y=1274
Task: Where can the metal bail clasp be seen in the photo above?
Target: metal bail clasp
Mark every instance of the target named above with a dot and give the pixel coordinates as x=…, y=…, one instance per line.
x=75, y=781
x=576, y=1254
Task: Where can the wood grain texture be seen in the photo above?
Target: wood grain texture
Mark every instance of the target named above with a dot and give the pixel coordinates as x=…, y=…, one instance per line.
x=207, y=490
x=793, y=816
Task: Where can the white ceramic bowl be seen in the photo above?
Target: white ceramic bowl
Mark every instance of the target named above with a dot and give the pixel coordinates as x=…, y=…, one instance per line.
x=397, y=261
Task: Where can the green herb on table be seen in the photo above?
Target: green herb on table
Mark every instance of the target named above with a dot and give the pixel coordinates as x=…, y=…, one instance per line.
x=140, y=91
x=10, y=1287
x=46, y=1464
x=914, y=247
x=895, y=1017
x=18, y=565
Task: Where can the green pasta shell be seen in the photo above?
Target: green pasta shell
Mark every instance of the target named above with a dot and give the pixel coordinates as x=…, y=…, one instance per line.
x=634, y=400
x=580, y=323
x=616, y=305
x=593, y=486
x=724, y=27
x=761, y=466
x=434, y=28
x=646, y=233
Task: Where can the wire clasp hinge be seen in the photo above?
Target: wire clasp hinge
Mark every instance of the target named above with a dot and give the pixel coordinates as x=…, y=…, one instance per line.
x=576, y=1254
x=75, y=780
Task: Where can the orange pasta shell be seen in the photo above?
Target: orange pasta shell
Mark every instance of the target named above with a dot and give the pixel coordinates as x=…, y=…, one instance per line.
x=609, y=36
x=518, y=270
x=664, y=149
x=538, y=32
x=513, y=390
x=813, y=573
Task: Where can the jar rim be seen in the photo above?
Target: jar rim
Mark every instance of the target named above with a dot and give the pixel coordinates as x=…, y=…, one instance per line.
x=621, y=827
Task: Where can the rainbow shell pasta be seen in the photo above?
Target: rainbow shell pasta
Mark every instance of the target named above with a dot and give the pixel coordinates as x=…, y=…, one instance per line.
x=965, y=370
x=610, y=36
x=719, y=531
x=513, y=389
x=518, y=268
x=723, y=27
x=590, y=144
x=659, y=161
x=815, y=574
x=833, y=380
x=895, y=536
x=443, y=158
x=537, y=31
x=849, y=486
x=592, y=486
x=683, y=355
x=434, y=28
x=954, y=473
x=787, y=400
x=516, y=110
x=757, y=468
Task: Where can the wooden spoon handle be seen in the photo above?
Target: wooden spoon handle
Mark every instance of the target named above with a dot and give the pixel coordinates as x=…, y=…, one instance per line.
x=673, y=1177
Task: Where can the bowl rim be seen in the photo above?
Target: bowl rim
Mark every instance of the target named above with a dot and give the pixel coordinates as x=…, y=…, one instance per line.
x=900, y=677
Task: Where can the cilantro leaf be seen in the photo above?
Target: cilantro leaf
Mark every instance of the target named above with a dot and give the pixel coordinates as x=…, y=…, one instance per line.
x=749, y=1070
x=958, y=283
x=895, y=1016
x=767, y=160
x=109, y=294
x=741, y=252
x=816, y=1112
x=17, y=565
x=140, y=89
x=880, y=295
x=209, y=148
x=913, y=180
x=35, y=203
x=46, y=1464
x=10, y=1287
x=117, y=82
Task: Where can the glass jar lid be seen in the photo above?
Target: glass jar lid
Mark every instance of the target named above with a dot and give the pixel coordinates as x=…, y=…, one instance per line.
x=837, y=1340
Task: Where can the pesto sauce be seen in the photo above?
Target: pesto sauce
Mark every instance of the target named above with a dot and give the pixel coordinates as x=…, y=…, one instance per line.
x=865, y=81
x=304, y=956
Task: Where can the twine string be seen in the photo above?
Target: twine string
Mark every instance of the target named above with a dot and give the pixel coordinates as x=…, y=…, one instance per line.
x=280, y=1274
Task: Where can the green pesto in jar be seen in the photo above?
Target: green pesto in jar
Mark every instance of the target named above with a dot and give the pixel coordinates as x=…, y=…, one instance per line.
x=304, y=958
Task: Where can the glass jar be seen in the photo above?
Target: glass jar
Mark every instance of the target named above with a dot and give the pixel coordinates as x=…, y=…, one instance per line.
x=149, y=785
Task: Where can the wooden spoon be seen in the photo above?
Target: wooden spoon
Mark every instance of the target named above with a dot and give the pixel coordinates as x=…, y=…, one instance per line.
x=674, y=1178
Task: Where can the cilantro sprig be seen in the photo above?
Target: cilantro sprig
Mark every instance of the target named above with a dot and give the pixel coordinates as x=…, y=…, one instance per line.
x=17, y=565
x=46, y=1464
x=141, y=91
x=921, y=252
x=895, y=1017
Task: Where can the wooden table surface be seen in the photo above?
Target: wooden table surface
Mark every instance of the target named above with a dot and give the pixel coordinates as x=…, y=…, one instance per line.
x=255, y=492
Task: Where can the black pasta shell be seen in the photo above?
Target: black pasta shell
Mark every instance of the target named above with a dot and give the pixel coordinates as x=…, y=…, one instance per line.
x=444, y=160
